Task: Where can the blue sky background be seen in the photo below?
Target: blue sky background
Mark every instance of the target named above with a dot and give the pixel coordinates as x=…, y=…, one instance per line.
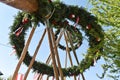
x=8, y=63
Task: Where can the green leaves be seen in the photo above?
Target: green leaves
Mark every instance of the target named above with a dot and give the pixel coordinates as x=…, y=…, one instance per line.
x=107, y=11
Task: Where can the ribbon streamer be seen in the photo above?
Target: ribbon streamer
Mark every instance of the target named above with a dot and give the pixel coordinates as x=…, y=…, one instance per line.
x=18, y=31
x=20, y=77
x=77, y=20
x=36, y=75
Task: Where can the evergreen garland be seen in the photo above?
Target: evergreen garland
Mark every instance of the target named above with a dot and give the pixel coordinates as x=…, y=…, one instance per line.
x=59, y=20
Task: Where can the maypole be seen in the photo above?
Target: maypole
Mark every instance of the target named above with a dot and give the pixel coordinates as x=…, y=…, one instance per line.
x=55, y=16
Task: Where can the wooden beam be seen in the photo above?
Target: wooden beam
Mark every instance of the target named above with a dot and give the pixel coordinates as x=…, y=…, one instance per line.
x=25, y=5
x=52, y=54
x=57, y=55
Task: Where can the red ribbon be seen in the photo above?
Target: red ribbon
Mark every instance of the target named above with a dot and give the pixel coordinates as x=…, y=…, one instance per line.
x=18, y=31
x=77, y=20
x=19, y=76
x=13, y=52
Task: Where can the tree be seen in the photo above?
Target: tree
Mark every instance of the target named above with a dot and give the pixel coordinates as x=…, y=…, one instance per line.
x=111, y=53
x=108, y=13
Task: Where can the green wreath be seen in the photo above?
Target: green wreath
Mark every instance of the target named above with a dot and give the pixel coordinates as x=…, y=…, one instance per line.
x=86, y=22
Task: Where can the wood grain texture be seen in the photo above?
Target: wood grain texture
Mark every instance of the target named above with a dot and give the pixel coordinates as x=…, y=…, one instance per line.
x=25, y=5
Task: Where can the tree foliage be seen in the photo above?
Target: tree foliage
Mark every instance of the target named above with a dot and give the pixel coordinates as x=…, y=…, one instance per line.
x=112, y=52
x=108, y=13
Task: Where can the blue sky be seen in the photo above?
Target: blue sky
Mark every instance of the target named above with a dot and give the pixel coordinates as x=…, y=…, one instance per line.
x=8, y=63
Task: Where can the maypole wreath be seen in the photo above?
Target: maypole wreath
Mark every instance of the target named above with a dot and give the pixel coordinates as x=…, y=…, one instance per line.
x=60, y=18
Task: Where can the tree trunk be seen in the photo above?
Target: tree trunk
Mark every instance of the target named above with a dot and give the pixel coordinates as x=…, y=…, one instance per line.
x=25, y=5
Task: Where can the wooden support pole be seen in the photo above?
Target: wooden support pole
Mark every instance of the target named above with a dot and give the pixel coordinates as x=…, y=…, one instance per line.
x=71, y=43
x=68, y=51
x=40, y=77
x=23, y=53
x=49, y=57
x=52, y=50
x=57, y=55
x=25, y=5
x=57, y=42
x=47, y=78
x=83, y=77
x=52, y=55
x=34, y=56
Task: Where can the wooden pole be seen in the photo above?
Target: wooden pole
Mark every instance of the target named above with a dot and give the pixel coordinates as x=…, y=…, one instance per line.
x=71, y=43
x=57, y=42
x=68, y=51
x=34, y=56
x=57, y=56
x=25, y=5
x=49, y=57
x=47, y=78
x=40, y=77
x=52, y=55
x=83, y=77
x=23, y=53
x=52, y=50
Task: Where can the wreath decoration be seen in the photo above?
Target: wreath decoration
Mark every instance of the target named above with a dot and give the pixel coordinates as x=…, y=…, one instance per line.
x=59, y=20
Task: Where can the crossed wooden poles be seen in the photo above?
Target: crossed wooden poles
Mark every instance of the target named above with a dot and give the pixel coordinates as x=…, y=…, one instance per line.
x=54, y=56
